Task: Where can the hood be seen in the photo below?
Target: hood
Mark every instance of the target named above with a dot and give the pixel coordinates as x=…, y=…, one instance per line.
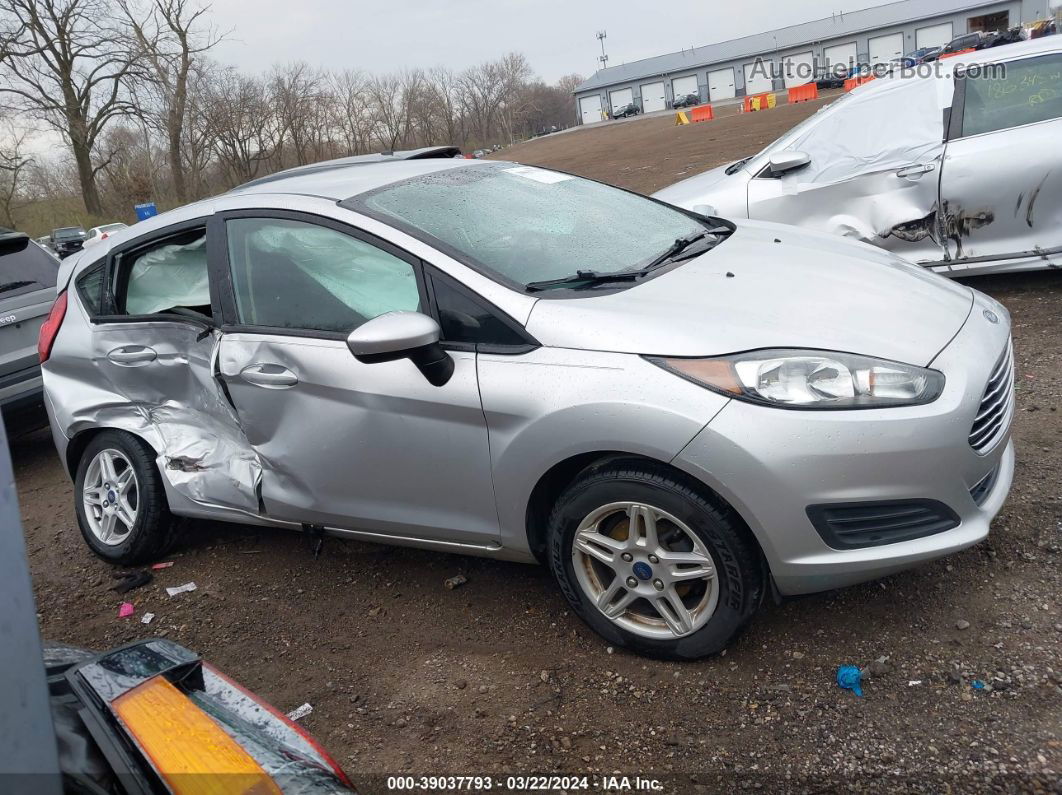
x=726, y=194
x=769, y=286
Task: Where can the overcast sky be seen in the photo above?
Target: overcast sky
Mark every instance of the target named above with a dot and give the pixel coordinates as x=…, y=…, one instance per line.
x=557, y=36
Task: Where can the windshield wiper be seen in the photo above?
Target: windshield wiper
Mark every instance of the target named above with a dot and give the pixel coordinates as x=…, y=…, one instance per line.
x=15, y=285
x=678, y=247
x=584, y=279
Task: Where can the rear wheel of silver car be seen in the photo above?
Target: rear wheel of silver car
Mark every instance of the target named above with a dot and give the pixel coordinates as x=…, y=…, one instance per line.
x=120, y=501
x=654, y=562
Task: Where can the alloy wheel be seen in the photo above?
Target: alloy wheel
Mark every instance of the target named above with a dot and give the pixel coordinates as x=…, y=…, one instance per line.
x=110, y=497
x=645, y=570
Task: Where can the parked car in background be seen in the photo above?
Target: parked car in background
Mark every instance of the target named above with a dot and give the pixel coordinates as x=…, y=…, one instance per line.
x=98, y=233
x=963, y=43
x=630, y=109
x=833, y=77
x=44, y=242
x=981, y=194
x=686, y=101
x=68, y=240
x=671, y=411
x=27, y=291
x=480, y=153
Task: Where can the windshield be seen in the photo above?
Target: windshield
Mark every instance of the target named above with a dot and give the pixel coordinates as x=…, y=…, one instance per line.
x=527, y=224
x=68, y=233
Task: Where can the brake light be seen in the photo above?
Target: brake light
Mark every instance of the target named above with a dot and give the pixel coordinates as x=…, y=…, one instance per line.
x=50, y=328
x=191, y=752
x=309, y=738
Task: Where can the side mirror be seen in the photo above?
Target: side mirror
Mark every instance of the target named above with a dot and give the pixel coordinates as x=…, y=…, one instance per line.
x=403, y=335
x=784, y=162
x=704, y=209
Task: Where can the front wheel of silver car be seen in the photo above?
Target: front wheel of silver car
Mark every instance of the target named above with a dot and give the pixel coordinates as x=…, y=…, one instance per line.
x=120, y=501
x=653, y=561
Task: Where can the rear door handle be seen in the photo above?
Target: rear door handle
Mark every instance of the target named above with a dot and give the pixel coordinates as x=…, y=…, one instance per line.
x=132, y=355
x=916, y=171
x=271, y=376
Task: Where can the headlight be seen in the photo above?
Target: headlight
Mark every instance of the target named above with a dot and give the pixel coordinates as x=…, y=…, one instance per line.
x=802, y=379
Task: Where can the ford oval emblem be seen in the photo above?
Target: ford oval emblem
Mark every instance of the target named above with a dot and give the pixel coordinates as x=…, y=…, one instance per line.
x=990, y=316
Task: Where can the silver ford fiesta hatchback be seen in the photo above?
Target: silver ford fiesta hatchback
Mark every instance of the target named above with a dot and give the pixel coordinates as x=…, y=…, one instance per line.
x=676, y=413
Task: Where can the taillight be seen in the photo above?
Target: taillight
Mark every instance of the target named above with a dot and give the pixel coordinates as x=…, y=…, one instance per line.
x=190, y=751
x=104, y=236
x=50, y=328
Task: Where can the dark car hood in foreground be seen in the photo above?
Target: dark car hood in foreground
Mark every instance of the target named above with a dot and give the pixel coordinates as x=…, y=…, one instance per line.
x=808, y=290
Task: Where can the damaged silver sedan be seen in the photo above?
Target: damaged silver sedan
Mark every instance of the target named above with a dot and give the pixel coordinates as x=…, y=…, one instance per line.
x=672, y=411
x=959, y=170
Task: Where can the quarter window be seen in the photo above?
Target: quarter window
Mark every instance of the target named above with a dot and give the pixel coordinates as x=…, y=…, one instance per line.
x=296, y=275
x=1029, y=92
x=90, y=283
x=167, y=276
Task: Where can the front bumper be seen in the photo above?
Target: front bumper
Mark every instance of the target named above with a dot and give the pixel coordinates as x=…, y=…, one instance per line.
x=770, y=464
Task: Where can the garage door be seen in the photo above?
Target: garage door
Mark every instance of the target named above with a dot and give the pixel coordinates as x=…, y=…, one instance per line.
x=653, y=97
x=933, y=36
x=681, y=86
x=721, y=84
x=840, y=55
x=798, y=69
x=590, y=108
x=884, y=48
x=758, y=77
x=621, y=98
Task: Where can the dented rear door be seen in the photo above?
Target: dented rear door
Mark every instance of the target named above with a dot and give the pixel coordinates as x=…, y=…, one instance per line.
x=1001, y=185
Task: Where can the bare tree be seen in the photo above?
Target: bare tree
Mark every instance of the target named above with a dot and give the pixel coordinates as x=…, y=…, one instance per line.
x=240, y=124
x=169, y=34
x=63, y=62
x=13, y=166
x=352, y=116
x=385, y=96
x=299, y=97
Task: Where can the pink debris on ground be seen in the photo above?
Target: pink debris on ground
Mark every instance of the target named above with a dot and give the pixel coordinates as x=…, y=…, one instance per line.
x=126, y=610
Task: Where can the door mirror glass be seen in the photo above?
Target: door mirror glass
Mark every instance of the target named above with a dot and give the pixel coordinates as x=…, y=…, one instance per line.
x=784, y=162
x=403, y=335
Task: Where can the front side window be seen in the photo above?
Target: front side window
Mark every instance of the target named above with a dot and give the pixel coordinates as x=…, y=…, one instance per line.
x=297, y=275
x=1028, y=93
x=166, y=276
x=528, y=224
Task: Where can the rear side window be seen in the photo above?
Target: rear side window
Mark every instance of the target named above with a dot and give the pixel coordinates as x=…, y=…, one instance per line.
x=24, y=267
x=166, y=276
x=1027, y=94
x=297, y=275
x=90, y=287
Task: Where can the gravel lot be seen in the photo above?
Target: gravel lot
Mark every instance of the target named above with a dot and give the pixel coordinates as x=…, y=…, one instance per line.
x=498, y=677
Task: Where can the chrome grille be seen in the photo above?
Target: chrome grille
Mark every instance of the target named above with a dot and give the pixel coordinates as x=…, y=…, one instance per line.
x=997, y=405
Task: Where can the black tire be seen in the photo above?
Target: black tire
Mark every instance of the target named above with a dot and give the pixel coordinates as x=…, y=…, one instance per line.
x=740, y=568
x=155, y=529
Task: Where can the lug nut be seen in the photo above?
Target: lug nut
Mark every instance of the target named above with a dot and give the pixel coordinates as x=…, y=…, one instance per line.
x=632, y=583
x=654, y=559
x=627, y=556
x=658, y=584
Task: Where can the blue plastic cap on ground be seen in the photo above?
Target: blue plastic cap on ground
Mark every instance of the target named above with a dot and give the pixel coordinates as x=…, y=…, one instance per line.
x=850, y=678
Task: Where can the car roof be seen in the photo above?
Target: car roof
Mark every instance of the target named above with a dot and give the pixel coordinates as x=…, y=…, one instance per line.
x=341, y=179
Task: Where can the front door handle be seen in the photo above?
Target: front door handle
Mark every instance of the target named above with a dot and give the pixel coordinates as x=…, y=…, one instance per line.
x=132, y=355
x=916, y=171
x=271, y=376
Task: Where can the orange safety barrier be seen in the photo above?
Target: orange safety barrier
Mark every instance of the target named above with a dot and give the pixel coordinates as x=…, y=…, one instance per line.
x=855, y=82
x=702, y=113
x=759, y=102
x=803, y=93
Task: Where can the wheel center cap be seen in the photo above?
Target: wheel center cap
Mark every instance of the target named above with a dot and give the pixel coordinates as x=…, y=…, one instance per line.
x=111, y=497
x=642, y=570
